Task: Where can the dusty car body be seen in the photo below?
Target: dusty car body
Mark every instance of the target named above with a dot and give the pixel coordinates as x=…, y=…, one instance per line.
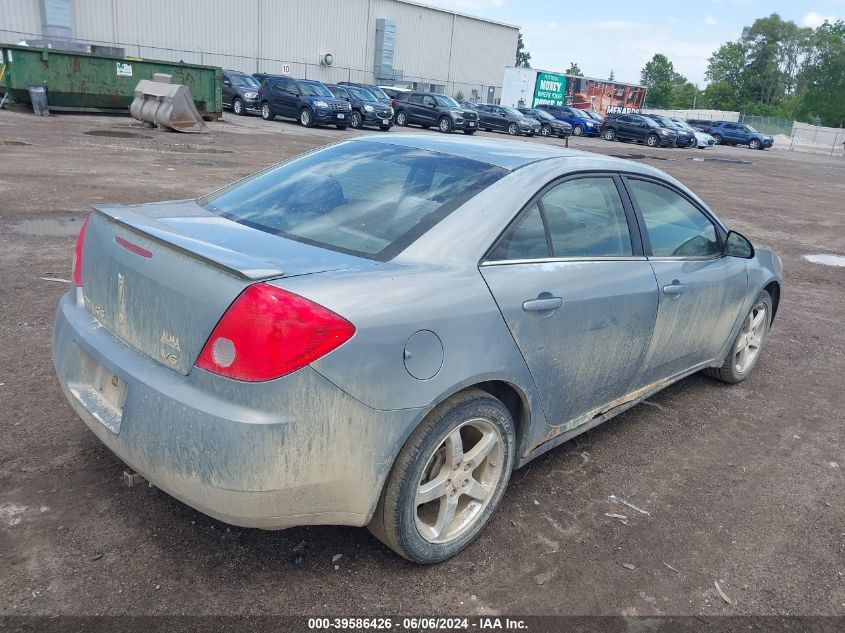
x=449, y=298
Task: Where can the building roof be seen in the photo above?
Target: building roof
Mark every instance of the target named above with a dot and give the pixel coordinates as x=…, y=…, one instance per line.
x=463, y=15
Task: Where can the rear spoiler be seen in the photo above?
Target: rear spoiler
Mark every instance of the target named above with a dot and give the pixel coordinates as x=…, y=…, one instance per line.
x=229, y=261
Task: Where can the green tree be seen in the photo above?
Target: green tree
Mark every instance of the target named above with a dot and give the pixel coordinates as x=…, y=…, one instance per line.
x=774, y=51
x=659, y=76
x=824, y=76
x=459, y=96
x=523, y=57
x=574, y=70
x=725, y=72
x=683, y=96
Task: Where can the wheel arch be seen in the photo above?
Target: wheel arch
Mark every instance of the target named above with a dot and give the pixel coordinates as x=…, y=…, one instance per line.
x=773, y=288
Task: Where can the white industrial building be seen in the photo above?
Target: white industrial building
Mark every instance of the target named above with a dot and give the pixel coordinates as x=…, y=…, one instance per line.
x=393, y=42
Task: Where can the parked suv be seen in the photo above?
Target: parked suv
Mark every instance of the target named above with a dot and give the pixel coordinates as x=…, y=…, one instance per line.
x=503, y=119
x=395, y=94
x=581, y=122
x=728, y=133
x=635, y=127
x=366, y=109
x=684, y=138
x=549, y=126
x=240, y=92
x=433, y=109
x=307, y=101
x=378, y=93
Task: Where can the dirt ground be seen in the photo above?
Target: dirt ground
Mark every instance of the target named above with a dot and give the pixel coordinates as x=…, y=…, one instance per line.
x=743, y=485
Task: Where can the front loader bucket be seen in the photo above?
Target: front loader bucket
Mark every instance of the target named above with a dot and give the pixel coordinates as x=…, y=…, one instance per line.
x=166, y=105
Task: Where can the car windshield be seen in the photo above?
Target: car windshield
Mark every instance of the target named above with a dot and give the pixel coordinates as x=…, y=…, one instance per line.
x=362, y=93
x=683, y=125
x=445, y=101
x=314, y=90
x=581, y=114
x=650, y=122
x=360, y=197
x=748, y=128
x=244, y=81
x=543, y=115
x=593, y=115
x=513, y=111
x=378, y=92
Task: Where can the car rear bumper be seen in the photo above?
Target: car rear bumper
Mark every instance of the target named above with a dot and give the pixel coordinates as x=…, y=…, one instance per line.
x=293, y=451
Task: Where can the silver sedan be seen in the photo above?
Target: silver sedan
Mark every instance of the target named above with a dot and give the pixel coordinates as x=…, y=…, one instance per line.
x=379, y=332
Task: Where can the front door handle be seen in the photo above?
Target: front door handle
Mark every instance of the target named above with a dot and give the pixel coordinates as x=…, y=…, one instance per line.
x=675, y=289
x=543, y=304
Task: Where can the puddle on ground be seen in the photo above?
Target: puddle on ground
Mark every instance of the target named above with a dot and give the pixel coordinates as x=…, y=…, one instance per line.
x=640, y=157
x=197, y=150
x=728, y=161
x=13, y=143
x=827, y=260
x=48, y=227
x=115, y=134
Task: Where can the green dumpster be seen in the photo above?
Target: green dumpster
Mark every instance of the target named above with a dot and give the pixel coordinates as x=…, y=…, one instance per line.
x=85, y=82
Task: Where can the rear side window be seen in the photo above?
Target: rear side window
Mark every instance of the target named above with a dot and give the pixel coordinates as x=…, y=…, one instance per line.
x=416, y=99
x=526, y=240
x=586, y=219
x=676, y=228
x=364, y=198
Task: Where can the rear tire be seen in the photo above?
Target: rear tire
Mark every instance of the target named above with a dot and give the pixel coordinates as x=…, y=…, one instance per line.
x=437, y=463
x=267, y=112
x=748, y=344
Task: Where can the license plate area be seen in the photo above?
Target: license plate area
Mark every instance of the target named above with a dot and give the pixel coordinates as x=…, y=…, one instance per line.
x=385, y=121
x=341, y=116
x=472, y=123
x=102, y=396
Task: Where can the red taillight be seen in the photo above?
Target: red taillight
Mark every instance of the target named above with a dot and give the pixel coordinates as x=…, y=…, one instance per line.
x=268, y=333
x=76, y=271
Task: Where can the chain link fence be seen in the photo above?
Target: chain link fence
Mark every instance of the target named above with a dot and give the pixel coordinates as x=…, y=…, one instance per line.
x=768, y=124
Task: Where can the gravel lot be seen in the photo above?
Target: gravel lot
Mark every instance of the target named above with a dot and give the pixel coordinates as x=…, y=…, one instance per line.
x=742, y=484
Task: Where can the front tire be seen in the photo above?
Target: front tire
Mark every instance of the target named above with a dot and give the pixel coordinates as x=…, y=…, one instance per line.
x=546, y=129
x=754, y=144
x=448, y=479
x=356, y=121
x=445, y=125
x=267, y=112
x=401, y=118
x=652, y=140
x=610, y=134
x=717, y=138
x=577, y=130
x=513, y=129
x=238, y=107
x=746, y=348
x=305, y=118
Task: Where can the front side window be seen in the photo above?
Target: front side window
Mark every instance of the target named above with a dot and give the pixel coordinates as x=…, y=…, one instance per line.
x=586, y=219
x=676, y=228
x=364, y=198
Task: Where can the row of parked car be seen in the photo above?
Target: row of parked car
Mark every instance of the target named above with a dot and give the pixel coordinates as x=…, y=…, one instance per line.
x=357, y=105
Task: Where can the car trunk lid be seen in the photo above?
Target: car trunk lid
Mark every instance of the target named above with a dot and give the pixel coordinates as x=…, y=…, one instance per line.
x=160, y=276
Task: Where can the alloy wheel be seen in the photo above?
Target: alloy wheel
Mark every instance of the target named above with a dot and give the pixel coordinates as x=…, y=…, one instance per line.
x=546, y=130
x=459, y=480
x=238, y=107
x=513, y=130
x=751, y=337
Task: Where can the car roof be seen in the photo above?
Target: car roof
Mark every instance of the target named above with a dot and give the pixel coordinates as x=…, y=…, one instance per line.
x=509, y=155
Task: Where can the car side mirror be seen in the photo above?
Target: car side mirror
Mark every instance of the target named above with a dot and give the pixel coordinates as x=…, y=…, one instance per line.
x=737, y=245
x=226, y=82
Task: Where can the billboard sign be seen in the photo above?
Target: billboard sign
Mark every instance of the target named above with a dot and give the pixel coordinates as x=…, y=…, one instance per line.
x=550, y=89
x=604, y=97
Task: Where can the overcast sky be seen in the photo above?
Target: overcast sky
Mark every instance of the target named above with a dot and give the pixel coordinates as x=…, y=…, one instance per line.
x=623, y=36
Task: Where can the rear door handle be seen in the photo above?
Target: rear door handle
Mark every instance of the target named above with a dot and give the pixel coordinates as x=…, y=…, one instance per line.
x=541, y=305
x=674, y=289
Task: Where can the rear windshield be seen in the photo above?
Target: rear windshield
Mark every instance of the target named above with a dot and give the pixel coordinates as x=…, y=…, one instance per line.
x=363, y=198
